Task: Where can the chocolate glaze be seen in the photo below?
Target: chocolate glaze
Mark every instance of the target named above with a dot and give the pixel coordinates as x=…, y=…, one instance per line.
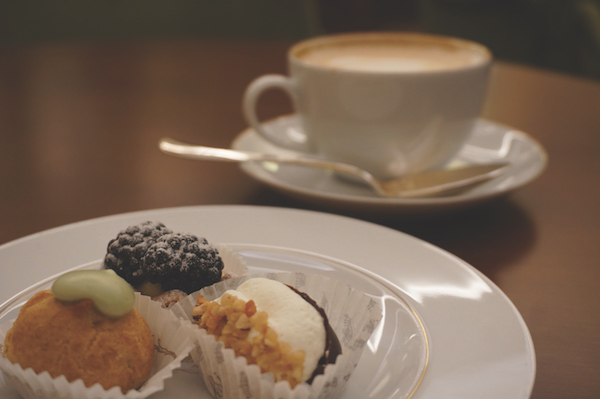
x=333, y=348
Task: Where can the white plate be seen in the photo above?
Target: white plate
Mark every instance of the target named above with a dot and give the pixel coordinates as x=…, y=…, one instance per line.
x=490, y=142
x=474, y=340
x=392, y=365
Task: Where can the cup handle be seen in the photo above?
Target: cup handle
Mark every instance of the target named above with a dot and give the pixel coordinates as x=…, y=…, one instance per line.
x=298, y=141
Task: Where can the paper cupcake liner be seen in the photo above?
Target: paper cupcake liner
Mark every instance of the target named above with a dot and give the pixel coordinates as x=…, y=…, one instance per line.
x=352, y=314
x=172, y=344
x=234, y=264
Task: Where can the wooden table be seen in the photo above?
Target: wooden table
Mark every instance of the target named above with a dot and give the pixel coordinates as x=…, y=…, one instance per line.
x=79, y=124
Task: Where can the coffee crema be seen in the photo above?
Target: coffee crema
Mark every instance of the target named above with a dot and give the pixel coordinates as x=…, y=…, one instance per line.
x=391, y=56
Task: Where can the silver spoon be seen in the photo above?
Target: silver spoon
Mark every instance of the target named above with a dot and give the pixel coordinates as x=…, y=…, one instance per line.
x=411, y=185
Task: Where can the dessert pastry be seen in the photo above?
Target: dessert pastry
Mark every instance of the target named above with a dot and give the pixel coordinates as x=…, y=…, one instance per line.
x=274, y=326
x=85, y=328
x=352, y=314
x=154, y=259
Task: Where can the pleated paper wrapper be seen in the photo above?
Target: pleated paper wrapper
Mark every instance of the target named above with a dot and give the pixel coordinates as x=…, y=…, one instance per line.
x=234, y=264
x=352, y=314
x=172, y=344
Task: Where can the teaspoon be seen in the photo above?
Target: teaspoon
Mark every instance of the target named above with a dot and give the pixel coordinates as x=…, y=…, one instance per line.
x=410, y=185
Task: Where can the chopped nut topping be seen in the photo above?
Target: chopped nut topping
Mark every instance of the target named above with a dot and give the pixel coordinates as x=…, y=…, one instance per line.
x=241, y=327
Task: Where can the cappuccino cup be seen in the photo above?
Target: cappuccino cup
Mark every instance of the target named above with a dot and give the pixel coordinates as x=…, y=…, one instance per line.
x=390, y=103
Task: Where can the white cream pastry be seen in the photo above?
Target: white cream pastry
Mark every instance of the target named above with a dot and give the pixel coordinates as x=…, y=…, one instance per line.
x=295, y=321
x=272, y=325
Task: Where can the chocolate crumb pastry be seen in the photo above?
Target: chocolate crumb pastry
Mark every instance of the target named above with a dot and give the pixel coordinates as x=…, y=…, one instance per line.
x=155, y=259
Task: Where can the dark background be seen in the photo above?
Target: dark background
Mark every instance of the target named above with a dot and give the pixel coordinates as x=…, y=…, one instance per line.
x=560, y=35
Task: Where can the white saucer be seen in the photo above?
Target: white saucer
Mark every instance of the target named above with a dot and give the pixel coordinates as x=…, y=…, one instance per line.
x=490, y=142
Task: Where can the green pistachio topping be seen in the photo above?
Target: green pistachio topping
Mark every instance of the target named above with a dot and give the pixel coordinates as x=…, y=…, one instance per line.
x=111, y=295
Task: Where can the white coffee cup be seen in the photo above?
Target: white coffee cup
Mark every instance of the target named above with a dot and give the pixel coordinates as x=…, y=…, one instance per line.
x=390, y=103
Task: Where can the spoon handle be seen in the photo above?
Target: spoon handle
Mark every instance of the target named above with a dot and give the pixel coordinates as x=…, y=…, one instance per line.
x=174, y=147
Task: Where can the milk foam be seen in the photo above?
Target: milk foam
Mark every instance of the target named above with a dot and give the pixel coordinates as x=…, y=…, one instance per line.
x=399, y=57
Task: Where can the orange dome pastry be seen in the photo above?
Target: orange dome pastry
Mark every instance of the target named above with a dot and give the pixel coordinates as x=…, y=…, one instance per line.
x=76, y=340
